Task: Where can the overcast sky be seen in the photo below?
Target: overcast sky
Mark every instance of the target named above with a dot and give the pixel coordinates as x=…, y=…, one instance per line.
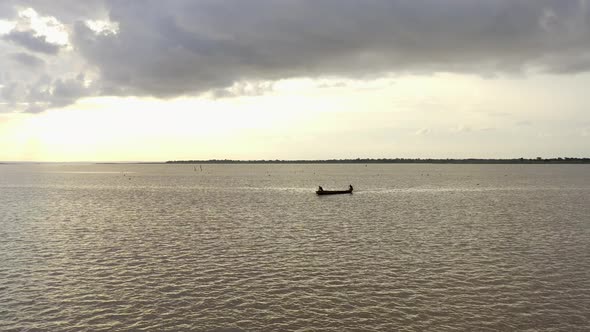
x=291, y=79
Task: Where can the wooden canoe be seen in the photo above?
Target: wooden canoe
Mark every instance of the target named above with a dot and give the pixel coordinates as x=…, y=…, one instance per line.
x=333, y=192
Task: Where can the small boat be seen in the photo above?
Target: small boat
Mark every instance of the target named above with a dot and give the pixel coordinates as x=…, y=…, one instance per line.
x=334, y=192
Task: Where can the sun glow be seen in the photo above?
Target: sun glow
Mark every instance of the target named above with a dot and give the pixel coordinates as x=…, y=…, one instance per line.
x=6, y=26
x=400, y=116
x=97, y=129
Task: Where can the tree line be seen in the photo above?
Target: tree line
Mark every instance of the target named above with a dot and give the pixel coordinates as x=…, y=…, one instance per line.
x=538, y=160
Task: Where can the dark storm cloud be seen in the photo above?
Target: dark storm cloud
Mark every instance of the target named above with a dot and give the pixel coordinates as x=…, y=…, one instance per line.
x=44, y=93
x=65, y=10
x=66, y=91
x=179, y=47
x=30, y=41
x=185, y=47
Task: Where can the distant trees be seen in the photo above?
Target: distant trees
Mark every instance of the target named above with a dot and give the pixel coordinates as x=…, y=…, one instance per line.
x=538, y=160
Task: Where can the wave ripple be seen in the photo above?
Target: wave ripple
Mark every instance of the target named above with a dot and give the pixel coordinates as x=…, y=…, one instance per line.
x=168, y=251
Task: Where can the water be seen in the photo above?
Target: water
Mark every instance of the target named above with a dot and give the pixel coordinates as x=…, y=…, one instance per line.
x=252, y=248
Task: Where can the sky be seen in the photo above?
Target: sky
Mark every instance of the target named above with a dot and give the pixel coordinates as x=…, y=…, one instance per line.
x=116, y=80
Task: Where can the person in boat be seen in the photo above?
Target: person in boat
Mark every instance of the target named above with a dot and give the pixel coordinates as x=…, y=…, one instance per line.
x=321, y=189
x=350, y=187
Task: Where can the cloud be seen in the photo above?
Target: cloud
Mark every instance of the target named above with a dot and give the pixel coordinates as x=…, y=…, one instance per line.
x=45, y=75
x=30, y=41
x=182, y=47
x=66, y=10
x=27, y=59
x=241, y=89
x=43, y=94
x=7, y=9
x=66, y=91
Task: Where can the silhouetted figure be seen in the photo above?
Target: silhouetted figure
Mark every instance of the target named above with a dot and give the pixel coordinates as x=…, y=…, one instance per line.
x=350, y=187
x=321, y=189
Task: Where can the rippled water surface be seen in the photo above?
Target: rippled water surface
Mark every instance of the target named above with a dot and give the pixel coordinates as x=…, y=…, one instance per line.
x=252, y=248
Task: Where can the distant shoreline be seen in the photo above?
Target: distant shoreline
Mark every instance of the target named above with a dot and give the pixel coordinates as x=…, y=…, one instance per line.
x=393, y=161
x=523, y=161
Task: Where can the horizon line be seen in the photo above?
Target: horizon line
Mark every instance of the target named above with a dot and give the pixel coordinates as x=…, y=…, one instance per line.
x=332, y=160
